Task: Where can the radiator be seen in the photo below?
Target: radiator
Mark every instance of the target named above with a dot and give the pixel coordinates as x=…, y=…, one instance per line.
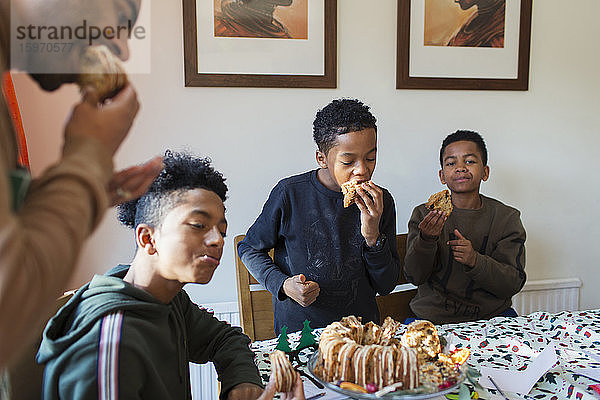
x=550, y=295
x=203, y=377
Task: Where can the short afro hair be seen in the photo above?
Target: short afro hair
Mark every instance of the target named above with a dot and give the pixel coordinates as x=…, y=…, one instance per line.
x=339, y=117
x=181, y=173
x=469, y=136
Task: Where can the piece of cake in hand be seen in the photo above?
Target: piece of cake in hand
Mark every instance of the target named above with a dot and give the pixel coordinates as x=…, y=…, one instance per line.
x=285, y=374
x=441, y=201
x=349, y=191
x=102, y=70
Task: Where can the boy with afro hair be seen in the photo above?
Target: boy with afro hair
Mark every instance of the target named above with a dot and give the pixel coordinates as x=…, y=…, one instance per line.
x=470, y=264
x=329, y=261
x=131, y=333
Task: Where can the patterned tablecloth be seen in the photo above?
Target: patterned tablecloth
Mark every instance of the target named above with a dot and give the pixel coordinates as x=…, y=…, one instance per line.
x=510, y=343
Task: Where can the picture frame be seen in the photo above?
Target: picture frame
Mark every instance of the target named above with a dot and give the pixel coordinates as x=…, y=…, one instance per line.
x=315, y=65
x=421, y=66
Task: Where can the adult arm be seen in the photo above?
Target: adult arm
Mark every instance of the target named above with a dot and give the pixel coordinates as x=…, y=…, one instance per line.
x=39, y=244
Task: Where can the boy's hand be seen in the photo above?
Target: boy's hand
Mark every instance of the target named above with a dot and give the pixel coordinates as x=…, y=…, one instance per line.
x=297, y=392
x=300, y=290
x=370, y=204
x=432, y=225
x=245, y=391
x=462, y=250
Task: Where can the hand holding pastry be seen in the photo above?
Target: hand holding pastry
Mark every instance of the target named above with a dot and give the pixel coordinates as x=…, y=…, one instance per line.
x=432, y=225
x=108, y=124
x=296, y=393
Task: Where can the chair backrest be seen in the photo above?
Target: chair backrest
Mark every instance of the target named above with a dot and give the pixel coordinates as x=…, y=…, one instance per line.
x=395, y=304
x=24, y=377
x=255, y=302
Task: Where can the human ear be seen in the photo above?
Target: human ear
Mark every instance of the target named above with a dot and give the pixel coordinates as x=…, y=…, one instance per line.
x=144, y=237
x=442, y=178
x=486, y=173
x=321, y=159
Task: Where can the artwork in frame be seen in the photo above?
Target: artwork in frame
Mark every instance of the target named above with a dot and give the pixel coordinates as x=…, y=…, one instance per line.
x=463, y=44
x=260, y=43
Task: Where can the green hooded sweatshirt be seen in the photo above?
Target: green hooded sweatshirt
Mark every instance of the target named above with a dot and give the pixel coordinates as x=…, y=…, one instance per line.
x=113, y=340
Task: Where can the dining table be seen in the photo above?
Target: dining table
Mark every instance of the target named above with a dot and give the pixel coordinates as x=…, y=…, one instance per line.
x=503, y=343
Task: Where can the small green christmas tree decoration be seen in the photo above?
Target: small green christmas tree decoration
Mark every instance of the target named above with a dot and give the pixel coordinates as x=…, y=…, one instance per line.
x=307, y=339
x=283, y=343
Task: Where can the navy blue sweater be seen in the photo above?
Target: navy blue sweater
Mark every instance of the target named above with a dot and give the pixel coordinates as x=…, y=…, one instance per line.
x=313, y=234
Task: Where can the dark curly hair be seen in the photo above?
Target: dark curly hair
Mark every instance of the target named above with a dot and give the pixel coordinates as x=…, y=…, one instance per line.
x=339, y=117
x=182, y=172
x=470, y=136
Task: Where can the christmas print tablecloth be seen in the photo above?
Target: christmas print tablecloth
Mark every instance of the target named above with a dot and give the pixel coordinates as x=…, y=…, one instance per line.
x=511, y=343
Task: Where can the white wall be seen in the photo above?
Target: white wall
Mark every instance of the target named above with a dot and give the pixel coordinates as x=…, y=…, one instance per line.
x=543, y=143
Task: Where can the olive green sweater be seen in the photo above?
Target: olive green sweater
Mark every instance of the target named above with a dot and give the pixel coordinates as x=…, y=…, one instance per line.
x=449, y=291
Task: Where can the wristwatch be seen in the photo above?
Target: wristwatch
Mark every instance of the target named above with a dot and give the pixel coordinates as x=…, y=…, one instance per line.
x=379, y=243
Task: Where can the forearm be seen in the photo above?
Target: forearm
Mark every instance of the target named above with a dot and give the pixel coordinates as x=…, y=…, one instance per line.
x=262, y=267
x=383, y=266
x=420, y=258
x=501, y=279
x=228, y=348
x=39, y=244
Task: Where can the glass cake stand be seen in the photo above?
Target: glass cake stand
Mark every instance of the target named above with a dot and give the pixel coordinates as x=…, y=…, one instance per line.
x=417, y=393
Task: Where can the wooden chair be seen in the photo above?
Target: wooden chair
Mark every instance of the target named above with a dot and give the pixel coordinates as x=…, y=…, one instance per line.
x=256, y=303
x=24, y=378
x=395, y=304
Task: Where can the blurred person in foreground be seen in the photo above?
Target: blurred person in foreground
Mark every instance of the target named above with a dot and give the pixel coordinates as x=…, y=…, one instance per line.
x=43, y=230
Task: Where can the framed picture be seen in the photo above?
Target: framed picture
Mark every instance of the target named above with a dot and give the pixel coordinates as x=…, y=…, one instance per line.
x=463, y=44
x=260, y=43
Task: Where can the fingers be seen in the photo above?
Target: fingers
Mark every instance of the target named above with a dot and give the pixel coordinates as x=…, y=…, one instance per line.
x=300, y=290
x=298, y=388
x=458, y=234
x=371, y=196
x=433, y=223
x=90, y=96
x=269, y=391
x=133, y=182
x=297, y=392
x=127, y=97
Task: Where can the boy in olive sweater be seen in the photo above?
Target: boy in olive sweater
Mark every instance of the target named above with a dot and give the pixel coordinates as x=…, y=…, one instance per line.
x=467, y=265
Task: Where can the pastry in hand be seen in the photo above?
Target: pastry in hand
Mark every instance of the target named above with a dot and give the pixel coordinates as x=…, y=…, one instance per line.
x=284, y=373
x=441, y=201
x=102, y=70
x=349, y=191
